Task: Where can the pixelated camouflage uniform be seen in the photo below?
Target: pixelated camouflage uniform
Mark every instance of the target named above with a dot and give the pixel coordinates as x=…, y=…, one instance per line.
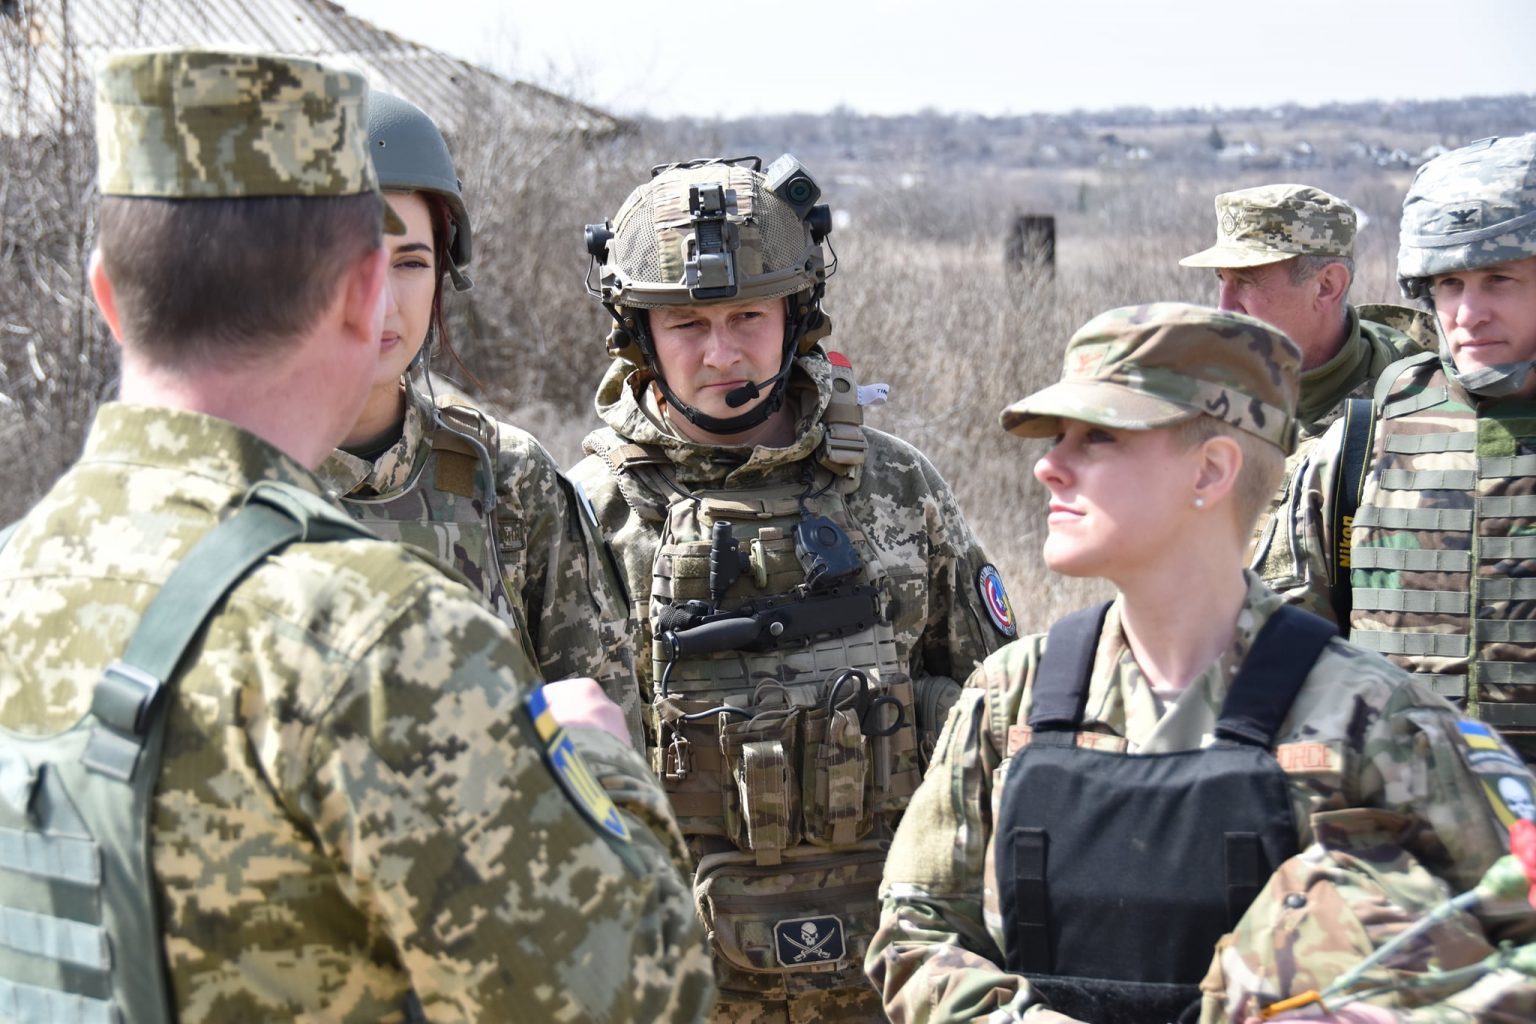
x=1271, y=223
x=1361, y=733
x=926, y=563
x=1332, y=905
x=519, y=534
x=1440, y=551
x=355, y=809
x=353, y=802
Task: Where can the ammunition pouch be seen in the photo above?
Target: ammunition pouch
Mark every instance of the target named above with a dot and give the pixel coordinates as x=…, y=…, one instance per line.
x=797, y=772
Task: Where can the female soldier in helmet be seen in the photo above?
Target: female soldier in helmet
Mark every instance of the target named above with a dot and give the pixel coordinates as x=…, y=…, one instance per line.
x=439, y=473
x=805, y=589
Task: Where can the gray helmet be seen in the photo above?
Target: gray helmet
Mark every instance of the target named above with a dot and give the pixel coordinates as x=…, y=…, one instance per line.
x=409, y=155
x=715, y=230
x=1472, y=207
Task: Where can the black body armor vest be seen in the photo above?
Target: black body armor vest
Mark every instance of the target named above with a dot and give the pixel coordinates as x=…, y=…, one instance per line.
x=1119, y=872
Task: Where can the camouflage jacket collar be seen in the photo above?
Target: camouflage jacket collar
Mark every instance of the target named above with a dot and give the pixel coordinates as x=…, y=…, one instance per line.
x=626, y=404
x=1121, y=698
x=348, y=474
x=1324, y=387
x=189, y=442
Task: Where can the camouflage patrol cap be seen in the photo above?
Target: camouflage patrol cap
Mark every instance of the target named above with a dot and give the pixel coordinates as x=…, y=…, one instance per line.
x=1141, y=367
x=1469, y=208
x=1255, y=226
x=179, y=123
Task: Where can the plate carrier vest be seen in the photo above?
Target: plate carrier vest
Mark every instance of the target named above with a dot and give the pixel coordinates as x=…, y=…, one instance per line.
x=1443, y=548
x=781, y=723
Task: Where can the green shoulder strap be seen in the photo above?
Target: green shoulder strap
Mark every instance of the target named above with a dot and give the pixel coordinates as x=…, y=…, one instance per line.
x=1359, y=423
x=131, y=690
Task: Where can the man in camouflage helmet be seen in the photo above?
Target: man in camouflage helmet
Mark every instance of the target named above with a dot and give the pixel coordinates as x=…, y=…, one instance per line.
x=366, y=807
x=805, y=588
x=1440, y=553
x=1285, y=254
x=1107, y=798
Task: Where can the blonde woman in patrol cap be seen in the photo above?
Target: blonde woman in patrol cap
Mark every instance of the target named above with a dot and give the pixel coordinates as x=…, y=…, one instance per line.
x=1107, y=798
x=437, y=472
x=806, y=590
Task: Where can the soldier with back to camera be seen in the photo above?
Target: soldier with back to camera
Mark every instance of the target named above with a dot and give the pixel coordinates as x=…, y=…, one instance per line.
x=255, y=763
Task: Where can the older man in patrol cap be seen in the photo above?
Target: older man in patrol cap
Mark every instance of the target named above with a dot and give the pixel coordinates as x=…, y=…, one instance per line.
x=1285, y=254
x=365, y=808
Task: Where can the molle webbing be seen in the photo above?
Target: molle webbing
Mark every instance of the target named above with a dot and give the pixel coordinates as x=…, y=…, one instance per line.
x=844, y=447
x=1444, y=551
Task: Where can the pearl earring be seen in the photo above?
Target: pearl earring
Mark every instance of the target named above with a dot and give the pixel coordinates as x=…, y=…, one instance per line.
x=1199, y=502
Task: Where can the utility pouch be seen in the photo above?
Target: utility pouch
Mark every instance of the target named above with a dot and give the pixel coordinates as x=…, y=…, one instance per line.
x=760, y=788
x=688, y=762
x=807, y=915
x=835, y=777
x=895, y=772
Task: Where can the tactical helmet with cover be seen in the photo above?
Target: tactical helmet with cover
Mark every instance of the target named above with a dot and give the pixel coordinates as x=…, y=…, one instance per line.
x=715, y=230
x=410, y=155
x=1471, y=208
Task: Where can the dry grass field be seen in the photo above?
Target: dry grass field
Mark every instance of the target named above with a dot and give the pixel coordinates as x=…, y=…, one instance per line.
x=921, y=298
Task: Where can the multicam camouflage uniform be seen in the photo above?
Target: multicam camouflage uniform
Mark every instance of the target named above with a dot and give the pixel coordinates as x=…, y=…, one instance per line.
x=1338, y=901
x=1440, y=551
x=1359, y=734
x=519, y=533
x=1271, y=223
x=354, y=803
x=788, y=803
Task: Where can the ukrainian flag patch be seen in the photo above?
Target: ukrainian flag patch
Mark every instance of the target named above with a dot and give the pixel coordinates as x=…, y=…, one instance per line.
x=572, y=772
x=1505, y=780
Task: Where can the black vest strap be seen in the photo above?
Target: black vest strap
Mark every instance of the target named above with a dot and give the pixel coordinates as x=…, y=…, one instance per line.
x=1061, y=683
x=1272, y=674
x=1359, y=428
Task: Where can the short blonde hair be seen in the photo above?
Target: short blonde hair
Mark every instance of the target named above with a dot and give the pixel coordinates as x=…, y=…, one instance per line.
x=1260, y=474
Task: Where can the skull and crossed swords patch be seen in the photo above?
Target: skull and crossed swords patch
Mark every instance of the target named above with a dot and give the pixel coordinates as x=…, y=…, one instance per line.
x=808, y=941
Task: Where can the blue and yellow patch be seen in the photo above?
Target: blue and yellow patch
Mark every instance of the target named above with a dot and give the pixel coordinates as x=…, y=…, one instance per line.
x=572, y=772
x=1501, y=771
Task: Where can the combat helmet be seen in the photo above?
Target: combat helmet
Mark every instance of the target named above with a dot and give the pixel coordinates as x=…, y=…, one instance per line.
x=715, y=230
x=1471, y=208
x=410, y=155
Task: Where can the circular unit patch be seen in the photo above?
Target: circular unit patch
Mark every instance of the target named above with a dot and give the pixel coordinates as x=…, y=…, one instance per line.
x=989, y=584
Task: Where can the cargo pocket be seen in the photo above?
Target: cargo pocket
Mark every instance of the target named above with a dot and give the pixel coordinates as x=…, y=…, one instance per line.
x=760, y=787
x=835, y=778
x=807, y=914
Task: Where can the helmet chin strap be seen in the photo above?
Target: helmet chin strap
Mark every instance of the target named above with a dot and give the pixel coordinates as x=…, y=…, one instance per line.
x=1498, y=381
x=794, y=329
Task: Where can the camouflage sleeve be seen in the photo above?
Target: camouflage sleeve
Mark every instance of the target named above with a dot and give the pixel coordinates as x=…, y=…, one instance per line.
x=502, y=878
x=1452, y=777
x=1502, y=997
x=1292, y=557
x=932, y=958
x=969, y=615
x=577, y=620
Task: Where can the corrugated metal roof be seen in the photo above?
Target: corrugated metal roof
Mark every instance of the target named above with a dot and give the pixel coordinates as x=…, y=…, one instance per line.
x=37, y=34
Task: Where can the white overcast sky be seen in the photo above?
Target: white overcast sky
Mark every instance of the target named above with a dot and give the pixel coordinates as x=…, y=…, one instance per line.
x=709, y=59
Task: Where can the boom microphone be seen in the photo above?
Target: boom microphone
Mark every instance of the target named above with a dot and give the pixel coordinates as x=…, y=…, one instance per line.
x=738, y=397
